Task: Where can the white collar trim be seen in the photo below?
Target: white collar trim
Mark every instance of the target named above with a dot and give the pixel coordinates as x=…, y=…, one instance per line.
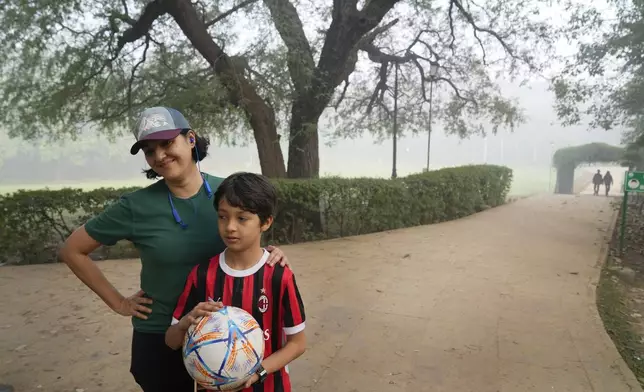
x=242, y=273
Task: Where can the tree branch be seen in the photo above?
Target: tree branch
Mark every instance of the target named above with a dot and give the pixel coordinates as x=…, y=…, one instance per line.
x=456, y=90
x=436, y=56
x=99, y=67
x=133, y=72
x=125, y=9
x=377, y=55
x=300, y=56
x=470, y=20
x=451, y=26
x=141, y=26
x=375, y=10
x=185, y=15
x=422, y=78
x=231, y=11
x=280, y=91
x=347, y=28
x=381, y=87
x=344, y=92
x=241, y=93
x=368, y=38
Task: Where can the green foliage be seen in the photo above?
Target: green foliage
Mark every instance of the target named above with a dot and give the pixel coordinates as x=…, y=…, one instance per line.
x=604, y=82
x=68, y=63
x=33, y=224
x=66, y=69
x=633, y=157
x=587, y=153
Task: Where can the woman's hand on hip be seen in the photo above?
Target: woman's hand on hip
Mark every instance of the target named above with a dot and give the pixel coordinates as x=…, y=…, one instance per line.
x=135, y=305
x=277, y=256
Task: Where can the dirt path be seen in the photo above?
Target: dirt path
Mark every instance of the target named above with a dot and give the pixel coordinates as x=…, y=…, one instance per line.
x=500, y=301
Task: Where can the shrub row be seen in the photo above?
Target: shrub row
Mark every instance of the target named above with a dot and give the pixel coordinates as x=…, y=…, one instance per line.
x=33, y=224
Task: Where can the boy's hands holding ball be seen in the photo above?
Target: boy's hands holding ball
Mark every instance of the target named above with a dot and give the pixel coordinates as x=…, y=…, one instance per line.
x=249, y=383
x=201, y=310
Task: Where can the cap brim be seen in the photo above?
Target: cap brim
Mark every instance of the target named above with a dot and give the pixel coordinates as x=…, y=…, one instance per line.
x=161, y=135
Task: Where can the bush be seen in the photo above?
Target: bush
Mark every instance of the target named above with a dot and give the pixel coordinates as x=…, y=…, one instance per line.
x=33, y=224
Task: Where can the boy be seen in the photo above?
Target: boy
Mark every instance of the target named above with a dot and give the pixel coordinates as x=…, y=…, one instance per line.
x=239, y=276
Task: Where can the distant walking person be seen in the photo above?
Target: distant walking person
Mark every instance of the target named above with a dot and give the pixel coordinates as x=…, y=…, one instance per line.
x=608, y=181
x=597, y=181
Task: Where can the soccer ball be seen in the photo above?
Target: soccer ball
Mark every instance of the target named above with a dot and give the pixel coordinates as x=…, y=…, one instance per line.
x=223, y=349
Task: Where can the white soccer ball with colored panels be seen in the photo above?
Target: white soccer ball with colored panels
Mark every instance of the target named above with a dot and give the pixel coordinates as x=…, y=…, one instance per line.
x=223, y=350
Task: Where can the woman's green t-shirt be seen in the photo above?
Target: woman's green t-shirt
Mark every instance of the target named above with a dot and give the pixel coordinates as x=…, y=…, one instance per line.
x=168, y=252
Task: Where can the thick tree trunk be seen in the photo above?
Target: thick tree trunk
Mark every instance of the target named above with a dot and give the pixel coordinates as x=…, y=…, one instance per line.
x=262, y=120
x=303, y=148
x=565, y=180
x=241, y=92
x=313, y=85
x=346, y=30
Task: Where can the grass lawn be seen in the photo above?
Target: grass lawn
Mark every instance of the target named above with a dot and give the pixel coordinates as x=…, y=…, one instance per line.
x=529, y=181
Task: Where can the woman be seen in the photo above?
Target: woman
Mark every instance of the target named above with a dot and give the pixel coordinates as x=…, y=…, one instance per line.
x=173, y=225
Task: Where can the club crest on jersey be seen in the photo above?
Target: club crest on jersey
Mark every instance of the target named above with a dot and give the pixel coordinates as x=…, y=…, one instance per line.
x=262, y=302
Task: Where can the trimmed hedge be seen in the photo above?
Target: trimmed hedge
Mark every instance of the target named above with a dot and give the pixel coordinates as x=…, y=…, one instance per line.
x=33, y=224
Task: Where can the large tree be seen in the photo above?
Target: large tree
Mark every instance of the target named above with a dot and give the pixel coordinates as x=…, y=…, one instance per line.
x=602, y=85
x=271, y=66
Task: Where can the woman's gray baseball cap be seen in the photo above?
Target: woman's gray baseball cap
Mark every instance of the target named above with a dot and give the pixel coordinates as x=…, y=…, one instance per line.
x=158, y=123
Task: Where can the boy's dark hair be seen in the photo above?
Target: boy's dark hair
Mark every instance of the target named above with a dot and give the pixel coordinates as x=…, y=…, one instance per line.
x=198, y=153
x=250, y=192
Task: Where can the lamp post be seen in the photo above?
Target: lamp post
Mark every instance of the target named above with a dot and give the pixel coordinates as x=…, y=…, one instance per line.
x=433, y=72
x=394, y=174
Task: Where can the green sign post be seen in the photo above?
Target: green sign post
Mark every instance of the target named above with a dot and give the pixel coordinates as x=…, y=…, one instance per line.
x=633, y=182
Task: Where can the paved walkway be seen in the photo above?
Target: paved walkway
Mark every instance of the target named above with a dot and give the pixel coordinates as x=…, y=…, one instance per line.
x=503, y=301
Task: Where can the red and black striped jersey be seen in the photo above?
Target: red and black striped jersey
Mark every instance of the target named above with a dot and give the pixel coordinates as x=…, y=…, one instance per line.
x=270, y=294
